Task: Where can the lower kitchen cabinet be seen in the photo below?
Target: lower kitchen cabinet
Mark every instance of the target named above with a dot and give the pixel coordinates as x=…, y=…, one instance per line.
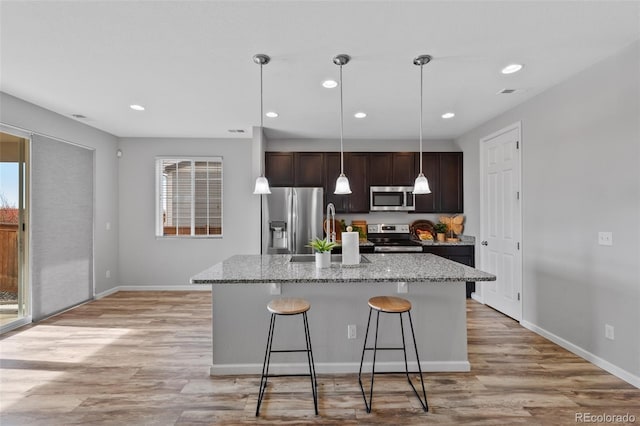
x=460, y=254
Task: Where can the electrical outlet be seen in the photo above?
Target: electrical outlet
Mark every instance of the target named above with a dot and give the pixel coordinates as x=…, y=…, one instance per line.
x=351, y=331
x=107, y=226
x=609, y=332
x=274, y=288
x=108, y=273
x=403, y=287
x=605, y=238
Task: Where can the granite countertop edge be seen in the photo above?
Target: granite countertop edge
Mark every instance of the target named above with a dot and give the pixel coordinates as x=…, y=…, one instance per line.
x=416, y=268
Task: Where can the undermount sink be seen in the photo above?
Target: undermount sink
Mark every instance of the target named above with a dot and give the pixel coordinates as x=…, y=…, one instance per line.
x=312, y=258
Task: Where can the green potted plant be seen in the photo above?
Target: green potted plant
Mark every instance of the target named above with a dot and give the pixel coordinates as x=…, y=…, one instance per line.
x=441, y=230
x=322, y=249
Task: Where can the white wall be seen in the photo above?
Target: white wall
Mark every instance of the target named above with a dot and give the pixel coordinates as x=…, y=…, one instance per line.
x=149, y=261
x=16, y=112
x=581, y=175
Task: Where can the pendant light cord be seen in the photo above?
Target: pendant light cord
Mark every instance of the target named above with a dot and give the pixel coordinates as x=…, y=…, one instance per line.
x=341, y=127
x=261, y=113
x=421, y=65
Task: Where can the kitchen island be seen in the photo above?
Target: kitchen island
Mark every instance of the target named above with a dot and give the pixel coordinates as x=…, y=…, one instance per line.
x=243, y=285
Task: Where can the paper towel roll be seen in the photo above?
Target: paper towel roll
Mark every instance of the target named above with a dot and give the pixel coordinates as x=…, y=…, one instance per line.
x=350, y=248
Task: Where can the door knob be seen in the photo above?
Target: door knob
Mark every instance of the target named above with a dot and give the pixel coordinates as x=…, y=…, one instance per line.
x=484, y=243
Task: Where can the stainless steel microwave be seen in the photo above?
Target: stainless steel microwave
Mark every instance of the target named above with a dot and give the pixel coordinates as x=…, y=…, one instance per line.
x=391, y=198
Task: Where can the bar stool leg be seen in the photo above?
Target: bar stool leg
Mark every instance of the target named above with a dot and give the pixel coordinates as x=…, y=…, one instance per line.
x=364, y=348
x=425, y=405
x=368, y=404
x=312, y=367
x=265, y=364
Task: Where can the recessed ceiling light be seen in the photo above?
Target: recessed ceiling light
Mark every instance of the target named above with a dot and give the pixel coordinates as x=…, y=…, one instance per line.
x=360, y=114
x=272, y=114
x=510, y=69
x=136, y=107
x=329, y=84
x=448, y=115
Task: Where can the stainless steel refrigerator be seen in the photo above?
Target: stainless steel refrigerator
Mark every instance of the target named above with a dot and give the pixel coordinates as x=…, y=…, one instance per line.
x=291, y=217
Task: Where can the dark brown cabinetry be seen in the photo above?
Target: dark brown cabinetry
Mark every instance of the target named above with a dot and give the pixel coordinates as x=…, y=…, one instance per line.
x=356, y=169
x=460, y=254
x=444, y=173
x=392, y=168
x=404, y=172
x=364, y=169
x=278, y=168
x=309, y=168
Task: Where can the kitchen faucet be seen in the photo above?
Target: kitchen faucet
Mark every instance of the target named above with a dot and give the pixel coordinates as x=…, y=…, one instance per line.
x=331, y=223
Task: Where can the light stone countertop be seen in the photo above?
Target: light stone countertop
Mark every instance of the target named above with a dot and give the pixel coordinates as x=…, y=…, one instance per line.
x=387, y=267
x=465, y=240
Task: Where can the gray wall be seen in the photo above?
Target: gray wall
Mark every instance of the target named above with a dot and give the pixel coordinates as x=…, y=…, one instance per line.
x=361, y=145
x=149, y=261
x=581, y=175
x=16, y=112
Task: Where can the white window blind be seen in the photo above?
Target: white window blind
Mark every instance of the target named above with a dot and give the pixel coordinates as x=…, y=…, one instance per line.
x=189, y=197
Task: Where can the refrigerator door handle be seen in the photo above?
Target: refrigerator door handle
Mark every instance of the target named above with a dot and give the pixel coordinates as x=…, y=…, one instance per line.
x=289, y=205
x=294, y=228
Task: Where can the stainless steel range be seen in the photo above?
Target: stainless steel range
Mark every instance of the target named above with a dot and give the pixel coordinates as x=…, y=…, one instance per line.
x=392, y=238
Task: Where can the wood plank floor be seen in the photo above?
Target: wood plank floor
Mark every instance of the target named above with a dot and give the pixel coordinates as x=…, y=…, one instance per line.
x=142, y=358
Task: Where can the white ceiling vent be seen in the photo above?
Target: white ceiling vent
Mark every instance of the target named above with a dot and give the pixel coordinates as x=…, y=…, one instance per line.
x=508, y=91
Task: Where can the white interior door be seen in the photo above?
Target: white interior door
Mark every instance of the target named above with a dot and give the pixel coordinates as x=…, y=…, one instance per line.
x=501, y=219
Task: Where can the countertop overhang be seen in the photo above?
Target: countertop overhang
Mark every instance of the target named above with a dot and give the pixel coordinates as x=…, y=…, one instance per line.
x=387, y=267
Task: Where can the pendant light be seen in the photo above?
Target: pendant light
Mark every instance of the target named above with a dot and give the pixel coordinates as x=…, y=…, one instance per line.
x=262, y=184
x=342, y=183
x=421, y=185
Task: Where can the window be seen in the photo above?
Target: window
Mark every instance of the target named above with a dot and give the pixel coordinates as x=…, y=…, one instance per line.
x=189, y=197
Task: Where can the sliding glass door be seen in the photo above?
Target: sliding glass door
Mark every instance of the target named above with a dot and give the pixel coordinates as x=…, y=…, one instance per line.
x=14, y=294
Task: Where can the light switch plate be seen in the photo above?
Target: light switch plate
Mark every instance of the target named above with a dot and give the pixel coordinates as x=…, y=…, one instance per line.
x=274, y=288
x=605, y=238
x=403, y=287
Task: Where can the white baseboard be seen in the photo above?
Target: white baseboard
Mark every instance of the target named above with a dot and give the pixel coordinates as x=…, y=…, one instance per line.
x=187, y=287
x=338, y=367
x=582, y=353
x=475, y=296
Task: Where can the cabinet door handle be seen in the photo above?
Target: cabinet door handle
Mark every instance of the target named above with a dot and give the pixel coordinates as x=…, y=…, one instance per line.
x=484, y=243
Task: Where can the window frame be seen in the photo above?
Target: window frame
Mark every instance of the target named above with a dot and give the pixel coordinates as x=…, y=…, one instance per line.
x=159, y=225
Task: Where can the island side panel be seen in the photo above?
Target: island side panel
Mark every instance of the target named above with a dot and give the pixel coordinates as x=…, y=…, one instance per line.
x=240, y=323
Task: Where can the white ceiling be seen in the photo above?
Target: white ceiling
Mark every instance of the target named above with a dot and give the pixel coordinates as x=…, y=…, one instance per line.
x=189, y=62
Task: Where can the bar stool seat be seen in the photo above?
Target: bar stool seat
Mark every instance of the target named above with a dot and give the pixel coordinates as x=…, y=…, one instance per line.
x=288, y=306
x=390, y=305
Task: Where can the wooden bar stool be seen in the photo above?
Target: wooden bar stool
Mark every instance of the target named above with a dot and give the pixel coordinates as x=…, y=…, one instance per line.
x=288, y=306
x=390, y=305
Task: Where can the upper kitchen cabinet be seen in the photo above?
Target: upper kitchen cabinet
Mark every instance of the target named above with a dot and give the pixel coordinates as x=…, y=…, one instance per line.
x=356, y=167
x=444, y=173
x=279, y=168
x=391, y=168
x=380, y=168
x=404, y=172
x=309, y=168
x=294, y=168
x=451, y=182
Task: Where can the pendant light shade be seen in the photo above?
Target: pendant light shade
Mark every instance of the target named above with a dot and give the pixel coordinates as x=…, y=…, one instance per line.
x=421, y=185
x=342, y=183
x=262, y=184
